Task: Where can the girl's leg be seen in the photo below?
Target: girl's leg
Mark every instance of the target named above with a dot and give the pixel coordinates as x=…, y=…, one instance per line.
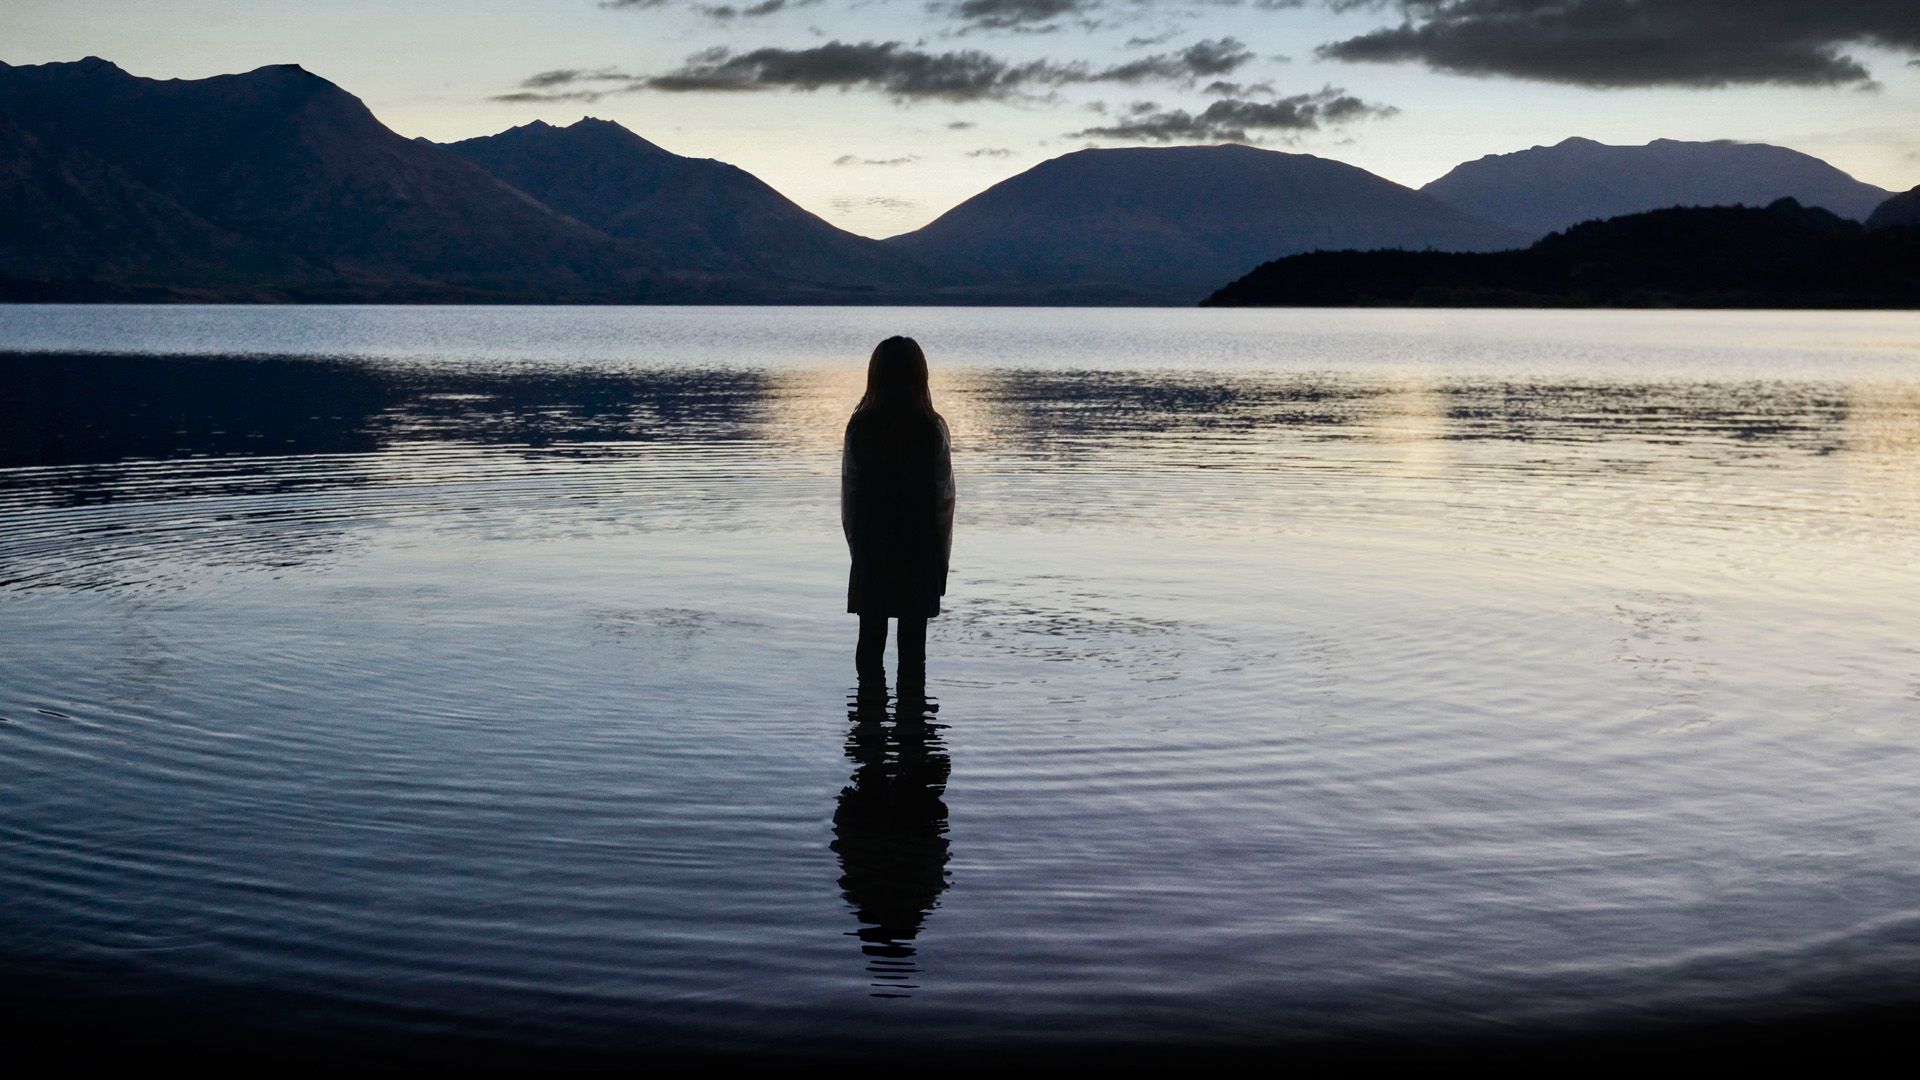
x=869, y=656
x=913, y=653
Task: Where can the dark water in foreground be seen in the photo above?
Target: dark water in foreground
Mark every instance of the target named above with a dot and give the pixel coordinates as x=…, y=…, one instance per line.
x=483, y=674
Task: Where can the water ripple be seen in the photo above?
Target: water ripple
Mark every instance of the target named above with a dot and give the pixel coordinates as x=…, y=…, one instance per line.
x=1276, y=697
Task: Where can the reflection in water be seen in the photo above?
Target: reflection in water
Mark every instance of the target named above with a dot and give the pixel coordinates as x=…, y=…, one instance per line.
x=70, y=412
x=890, y=831
x=110, y=465
x=67, y=410
x=266, y=463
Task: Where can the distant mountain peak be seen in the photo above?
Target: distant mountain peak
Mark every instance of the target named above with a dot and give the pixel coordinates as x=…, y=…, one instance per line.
x=1583, y=143
x=1195, y=150
x=250, y=183
x=588, y=130
x=698, y=213
x=85, y=66
x=1164, y=224
x=1548, y=188
x=1711, y=142
x=1216, y=159
x=289, y=71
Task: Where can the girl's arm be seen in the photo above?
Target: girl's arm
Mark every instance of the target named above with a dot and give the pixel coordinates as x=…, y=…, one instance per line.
x=848, y=486
x=946, y=496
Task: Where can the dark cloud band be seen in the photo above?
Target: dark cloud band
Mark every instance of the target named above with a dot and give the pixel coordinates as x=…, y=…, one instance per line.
x=1593, y=43
x=1018, y=14
x=716, y=12
x=889, y=67
x=1237, y=120
x=1627, y=43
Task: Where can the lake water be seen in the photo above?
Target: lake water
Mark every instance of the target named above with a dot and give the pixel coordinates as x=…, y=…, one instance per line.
x=483, y=674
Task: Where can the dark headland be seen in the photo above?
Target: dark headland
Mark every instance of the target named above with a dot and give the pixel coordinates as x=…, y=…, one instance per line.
x=1780, y=256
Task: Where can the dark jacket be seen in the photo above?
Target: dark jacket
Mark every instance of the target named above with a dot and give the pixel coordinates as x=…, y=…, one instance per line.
x=896, y=507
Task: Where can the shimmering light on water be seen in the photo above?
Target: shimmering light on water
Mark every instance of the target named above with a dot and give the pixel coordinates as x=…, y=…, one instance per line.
x=1304, y=672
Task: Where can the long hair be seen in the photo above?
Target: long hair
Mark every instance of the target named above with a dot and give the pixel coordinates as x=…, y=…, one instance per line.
x=897, y=374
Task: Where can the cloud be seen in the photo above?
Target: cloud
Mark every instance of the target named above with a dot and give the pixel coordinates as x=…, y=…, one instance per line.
x=526, y=96
x=1017, y=14
x=960, y=125
x=729, y=12
x=881, y=202
x=1219, y=56
x=907, y=73
x=990, y=151
x=1634, y=43
x=855, y=159
x=570, y=84
x=890, y=67
x=1046, y=16
x=716, y=12
x=1235, y=119
x=1224, y=88
x=562, y=76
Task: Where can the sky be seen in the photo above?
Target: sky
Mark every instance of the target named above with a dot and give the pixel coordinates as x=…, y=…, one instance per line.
x=879, y=115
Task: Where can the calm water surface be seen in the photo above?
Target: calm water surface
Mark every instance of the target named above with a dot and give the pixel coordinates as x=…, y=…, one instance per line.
x=486, y=671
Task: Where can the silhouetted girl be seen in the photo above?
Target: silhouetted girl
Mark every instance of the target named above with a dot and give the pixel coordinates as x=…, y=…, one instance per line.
x=896, y=507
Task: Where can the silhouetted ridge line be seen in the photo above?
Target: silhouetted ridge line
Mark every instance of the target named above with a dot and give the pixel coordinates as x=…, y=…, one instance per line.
x=1902, y=209
x=1781, y=256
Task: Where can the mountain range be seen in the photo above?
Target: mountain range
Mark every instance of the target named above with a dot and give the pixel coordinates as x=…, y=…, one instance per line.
x=1548, y=188
x=1783, y=255
x=691, y=211
x=269, y=185
x=277, y=185
x=1166, y=225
